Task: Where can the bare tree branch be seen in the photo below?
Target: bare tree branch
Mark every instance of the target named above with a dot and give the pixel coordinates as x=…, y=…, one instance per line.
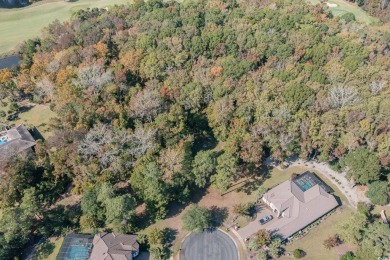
x=341, y=96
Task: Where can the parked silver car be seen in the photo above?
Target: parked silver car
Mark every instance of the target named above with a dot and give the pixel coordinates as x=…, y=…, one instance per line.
x=266, y=219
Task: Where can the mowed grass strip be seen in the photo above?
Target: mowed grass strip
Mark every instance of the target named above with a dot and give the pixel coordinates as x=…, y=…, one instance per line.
x=20, y=24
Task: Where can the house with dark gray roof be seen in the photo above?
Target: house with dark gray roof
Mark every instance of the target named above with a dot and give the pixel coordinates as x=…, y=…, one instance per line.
x=298, y=203
x=113, y=246
x=15, y=141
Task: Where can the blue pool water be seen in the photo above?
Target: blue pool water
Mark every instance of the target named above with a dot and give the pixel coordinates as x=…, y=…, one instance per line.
x=78, y=252
x=3, y=142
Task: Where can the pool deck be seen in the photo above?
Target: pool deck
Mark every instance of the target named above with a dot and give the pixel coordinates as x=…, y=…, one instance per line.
x=76, y=246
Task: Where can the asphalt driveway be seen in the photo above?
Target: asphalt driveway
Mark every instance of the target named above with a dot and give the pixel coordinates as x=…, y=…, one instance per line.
x=215, y=245
x=255, y=225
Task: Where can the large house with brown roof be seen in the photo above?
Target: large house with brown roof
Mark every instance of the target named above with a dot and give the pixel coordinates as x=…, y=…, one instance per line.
x=112, y=246
x=298, y=203
x=14, y=141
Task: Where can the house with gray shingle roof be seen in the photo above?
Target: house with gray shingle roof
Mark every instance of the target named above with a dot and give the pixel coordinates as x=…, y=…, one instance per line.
x=14, y=141
x=298, y=203
x=113, y=246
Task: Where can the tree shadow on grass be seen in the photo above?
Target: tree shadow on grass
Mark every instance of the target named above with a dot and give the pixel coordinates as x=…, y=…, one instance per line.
x=44, y=250
x=59, y=219
x=218, y=216
x=170, y=235
x=259, y=176
x=175, y=208
x=143, y=219
x=36, y=134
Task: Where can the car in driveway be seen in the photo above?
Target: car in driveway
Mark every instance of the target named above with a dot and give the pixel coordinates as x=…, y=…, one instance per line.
x=265, y=219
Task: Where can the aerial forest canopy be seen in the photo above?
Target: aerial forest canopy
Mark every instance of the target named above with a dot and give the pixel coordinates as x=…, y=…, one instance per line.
x=171, y=96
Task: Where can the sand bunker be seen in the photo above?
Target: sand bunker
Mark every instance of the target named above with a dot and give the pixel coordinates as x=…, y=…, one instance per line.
x=331, y=5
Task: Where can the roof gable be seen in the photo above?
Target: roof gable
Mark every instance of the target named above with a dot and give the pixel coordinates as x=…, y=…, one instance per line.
x=300, y=208
x=112, y=246
x=18, y=139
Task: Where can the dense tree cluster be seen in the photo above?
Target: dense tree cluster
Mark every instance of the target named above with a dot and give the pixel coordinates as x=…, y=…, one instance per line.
x=264, y=246
x=172, y=97
x=197, y=219
x=373, y=237
x=101, y=206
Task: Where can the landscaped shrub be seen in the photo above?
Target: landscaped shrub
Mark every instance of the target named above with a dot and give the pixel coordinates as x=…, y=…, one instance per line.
x=261, y=255
x=347, y=256
x=244, y=209
x=253, y=245
x=378, y=192
x=331, y=242
x=335, y=166
x=348, y=17
x=298, y=253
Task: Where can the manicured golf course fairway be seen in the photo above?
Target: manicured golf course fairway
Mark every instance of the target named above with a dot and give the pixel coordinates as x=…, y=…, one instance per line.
x=344, y=7
x=19, y=24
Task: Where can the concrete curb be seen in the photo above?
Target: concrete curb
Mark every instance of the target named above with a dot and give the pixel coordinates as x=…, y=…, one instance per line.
x=238, y=251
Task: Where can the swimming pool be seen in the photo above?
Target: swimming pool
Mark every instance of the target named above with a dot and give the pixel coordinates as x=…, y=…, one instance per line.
x=79, y=252
x=307, y=180
x=76, y=247
x=3, y=140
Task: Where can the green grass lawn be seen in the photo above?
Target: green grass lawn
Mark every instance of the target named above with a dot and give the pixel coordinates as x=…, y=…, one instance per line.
x=277, y=176
x=5, y=107
x=49, y=249
x=57, y=247
x=20, y=24
x=39, y=117
x=345, y=7
x=312, y=243
x=377, y=210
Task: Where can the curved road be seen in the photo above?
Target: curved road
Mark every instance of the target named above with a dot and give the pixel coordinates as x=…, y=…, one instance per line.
x=215, y=245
